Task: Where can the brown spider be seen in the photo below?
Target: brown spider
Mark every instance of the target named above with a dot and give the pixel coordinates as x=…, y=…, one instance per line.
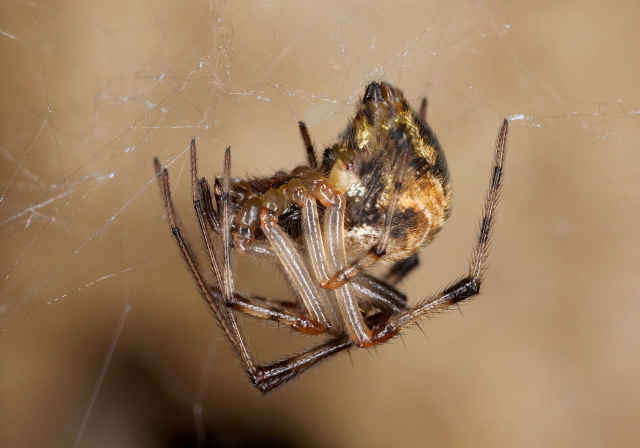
x=379, y=194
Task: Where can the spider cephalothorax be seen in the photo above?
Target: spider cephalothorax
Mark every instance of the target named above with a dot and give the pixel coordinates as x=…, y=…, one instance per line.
x=378, y=195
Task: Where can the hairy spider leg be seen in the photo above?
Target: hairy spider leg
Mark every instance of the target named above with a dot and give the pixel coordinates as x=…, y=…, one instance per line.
x=265, y=377
x=274, y=204
x=312, y=159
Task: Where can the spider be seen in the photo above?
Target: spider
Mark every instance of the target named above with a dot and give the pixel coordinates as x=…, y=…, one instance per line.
x=378, y=195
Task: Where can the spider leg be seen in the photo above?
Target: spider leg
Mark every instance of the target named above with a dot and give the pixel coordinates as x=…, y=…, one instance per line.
x=265, y=377
x=379, y=293
x=275, y=311
x=469, y=285
x=211, y=215
x=223, y=315
x=278, y=373
x=318, y=187
x=203, y=205
x=268, y=377
x=312, y=159
x=273, y=205
x=402, y=268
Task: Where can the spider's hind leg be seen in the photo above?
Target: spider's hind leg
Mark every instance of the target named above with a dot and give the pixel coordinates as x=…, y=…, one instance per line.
x=469, y=285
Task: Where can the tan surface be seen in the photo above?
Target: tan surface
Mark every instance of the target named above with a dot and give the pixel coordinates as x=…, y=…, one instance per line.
x=548, y=356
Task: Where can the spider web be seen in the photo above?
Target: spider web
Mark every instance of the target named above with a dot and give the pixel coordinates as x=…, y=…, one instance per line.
x=102, y=337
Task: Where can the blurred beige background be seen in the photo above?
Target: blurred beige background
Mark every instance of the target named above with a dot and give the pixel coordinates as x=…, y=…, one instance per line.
x=103, y=339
